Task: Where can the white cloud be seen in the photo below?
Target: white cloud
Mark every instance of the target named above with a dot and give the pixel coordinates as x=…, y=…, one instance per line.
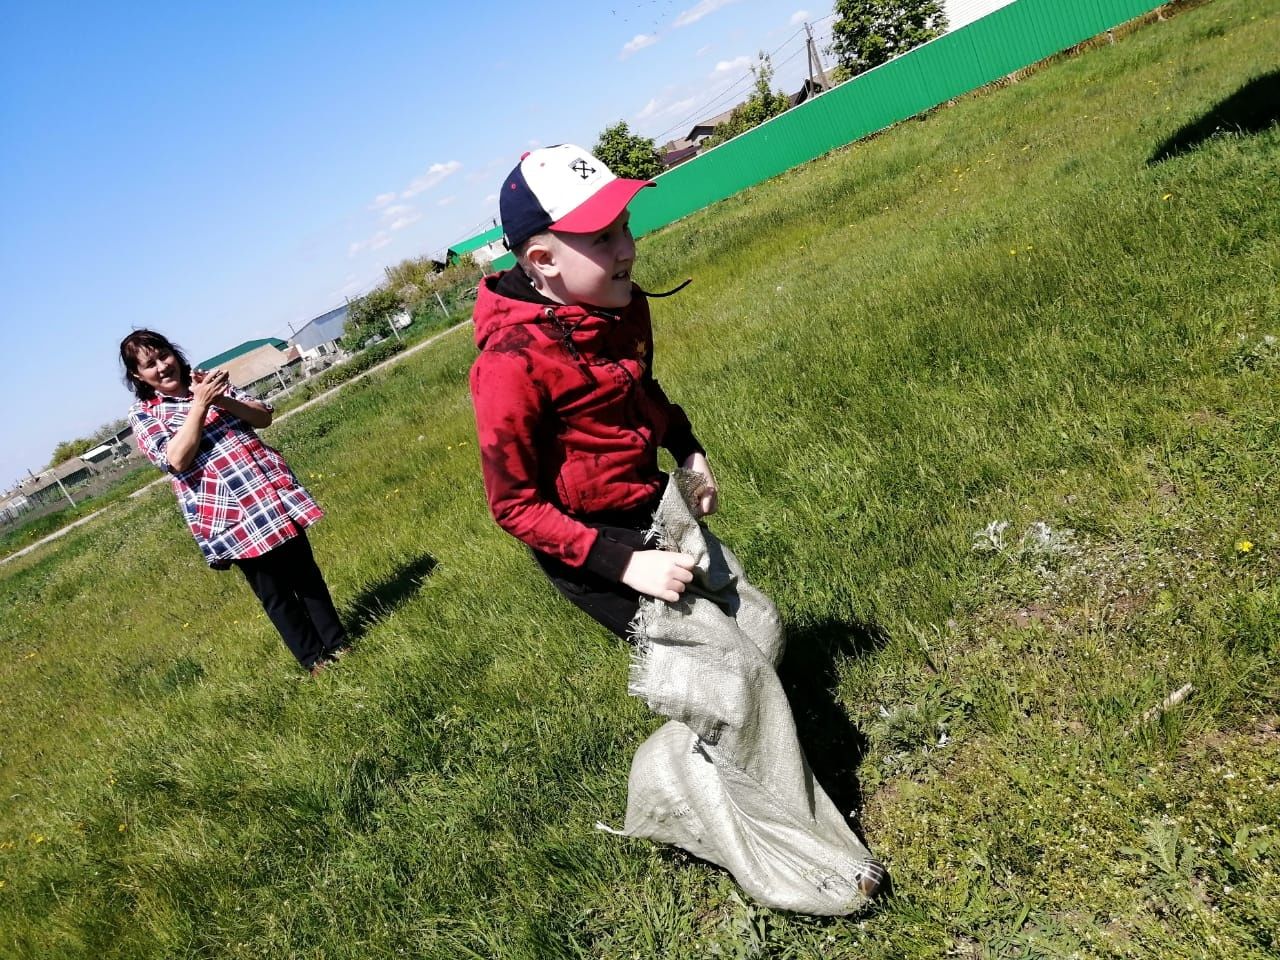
x=703, y=50
x=435, y=173
x=382, y=199
x=488, y=171
x=700, y=10
x=396, y=210
x=638, y=42
x=376, y=242
x=800, y=16
x=399, y=223
x=656, y=108
x=446, y=201
x=736, y=65
x=489, y=199
x=650, y=109
x=351, y=285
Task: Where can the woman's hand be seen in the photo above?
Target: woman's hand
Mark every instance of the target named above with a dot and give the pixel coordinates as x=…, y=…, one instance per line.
x=659, y=573
x=707, y=499
x=208, y=387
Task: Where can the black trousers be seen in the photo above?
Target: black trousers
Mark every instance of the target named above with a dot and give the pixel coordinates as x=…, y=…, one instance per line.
x=608, y=602
x=294, y=595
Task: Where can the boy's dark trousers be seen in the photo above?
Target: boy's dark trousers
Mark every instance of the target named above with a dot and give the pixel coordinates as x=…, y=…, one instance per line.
x=294, y=595
x=609, y=602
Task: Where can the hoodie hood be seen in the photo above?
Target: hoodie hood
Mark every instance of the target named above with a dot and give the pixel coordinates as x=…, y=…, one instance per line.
x=509, y=312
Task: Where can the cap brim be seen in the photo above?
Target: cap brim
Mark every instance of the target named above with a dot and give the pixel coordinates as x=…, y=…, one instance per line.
x=603, y=207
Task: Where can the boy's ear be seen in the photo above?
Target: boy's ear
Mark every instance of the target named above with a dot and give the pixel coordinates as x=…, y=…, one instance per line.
x=540, y=255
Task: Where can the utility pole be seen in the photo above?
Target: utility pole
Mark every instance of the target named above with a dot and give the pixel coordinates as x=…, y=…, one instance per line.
x=391, y=322
x=817, y=73
x=443, y=308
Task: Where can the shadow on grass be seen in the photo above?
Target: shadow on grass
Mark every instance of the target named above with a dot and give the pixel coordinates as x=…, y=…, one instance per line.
x=379, y=600
x=1251, y=109
x=810, y=672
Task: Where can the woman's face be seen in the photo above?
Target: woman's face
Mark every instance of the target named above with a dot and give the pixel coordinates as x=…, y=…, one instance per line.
x=161, y=371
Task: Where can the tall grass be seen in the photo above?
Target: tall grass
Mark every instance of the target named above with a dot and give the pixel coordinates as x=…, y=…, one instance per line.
x=1007, y=311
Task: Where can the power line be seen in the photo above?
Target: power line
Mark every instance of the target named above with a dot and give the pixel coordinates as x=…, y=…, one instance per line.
x=703, y=109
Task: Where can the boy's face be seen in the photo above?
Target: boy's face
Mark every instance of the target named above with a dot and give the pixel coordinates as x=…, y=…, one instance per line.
x=595, y=268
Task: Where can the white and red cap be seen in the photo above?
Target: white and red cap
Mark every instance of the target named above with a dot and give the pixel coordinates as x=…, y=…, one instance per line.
x=561, y=188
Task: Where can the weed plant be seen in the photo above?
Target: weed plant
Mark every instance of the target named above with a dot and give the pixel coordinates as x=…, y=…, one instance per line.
x=994, y=413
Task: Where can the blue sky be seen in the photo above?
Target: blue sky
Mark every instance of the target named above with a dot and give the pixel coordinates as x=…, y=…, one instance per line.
x=217, y=173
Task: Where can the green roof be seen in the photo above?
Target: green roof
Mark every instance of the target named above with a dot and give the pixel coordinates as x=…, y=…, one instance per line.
x=475, y=243
x=228, y=355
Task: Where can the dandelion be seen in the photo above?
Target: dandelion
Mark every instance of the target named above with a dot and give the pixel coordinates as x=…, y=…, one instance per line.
x=122, y=828
x=1013, y=251
x=1244, y=546
x=37, y=838
x=1167, y=196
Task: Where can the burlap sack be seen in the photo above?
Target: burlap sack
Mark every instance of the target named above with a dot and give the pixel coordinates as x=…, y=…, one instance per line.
x=726, y=778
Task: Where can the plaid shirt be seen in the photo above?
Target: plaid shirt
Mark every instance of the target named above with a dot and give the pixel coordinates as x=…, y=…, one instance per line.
x=239, y=497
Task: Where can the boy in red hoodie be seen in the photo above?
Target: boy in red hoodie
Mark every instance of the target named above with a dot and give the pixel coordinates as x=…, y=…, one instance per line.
x=569, y=415
x=570, y=419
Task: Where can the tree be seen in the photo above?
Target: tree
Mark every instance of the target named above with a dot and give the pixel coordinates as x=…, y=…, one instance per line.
x=763, y=103
x=628, y=154
x=369, y=315
x=411, y=279
x=871, y=32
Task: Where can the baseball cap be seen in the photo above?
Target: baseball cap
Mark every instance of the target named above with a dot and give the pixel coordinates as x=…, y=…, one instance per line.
x=561, y=188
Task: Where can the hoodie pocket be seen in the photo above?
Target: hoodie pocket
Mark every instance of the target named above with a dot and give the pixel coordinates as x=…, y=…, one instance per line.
x=578, y=483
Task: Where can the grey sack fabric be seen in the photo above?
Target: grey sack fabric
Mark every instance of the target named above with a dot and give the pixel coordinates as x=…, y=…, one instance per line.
x=726, y=779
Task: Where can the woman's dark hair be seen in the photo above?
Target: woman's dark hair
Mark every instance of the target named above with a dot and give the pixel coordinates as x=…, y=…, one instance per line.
x=144, y=341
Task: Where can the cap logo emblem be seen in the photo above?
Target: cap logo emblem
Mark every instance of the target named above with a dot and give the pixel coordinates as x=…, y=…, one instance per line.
x=582, y=168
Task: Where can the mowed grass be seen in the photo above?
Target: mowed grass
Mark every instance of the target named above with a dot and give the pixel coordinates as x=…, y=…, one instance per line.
x=1008, y=311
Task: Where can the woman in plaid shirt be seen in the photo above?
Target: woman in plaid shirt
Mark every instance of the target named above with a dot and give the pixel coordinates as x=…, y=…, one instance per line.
x=243, y=504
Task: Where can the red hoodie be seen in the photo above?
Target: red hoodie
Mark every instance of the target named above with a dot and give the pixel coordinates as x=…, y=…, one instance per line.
x=569, y=417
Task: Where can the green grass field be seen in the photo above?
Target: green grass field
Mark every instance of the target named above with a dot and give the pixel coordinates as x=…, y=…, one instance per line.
x=1041, y=306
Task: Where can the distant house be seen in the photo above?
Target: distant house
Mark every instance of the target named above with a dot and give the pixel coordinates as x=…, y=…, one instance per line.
x=319, y=338
x=483, y=248
x=12, y=506
x=700, y=131
x=676, y=152
x=259, y=367
x=115, y=447
x=44, y=486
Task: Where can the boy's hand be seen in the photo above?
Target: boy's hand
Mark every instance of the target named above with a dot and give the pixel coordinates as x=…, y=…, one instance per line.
x=659, y=573
x=708, y=498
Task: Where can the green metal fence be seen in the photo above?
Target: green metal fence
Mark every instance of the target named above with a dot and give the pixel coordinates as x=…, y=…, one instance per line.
x=1003, y=41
